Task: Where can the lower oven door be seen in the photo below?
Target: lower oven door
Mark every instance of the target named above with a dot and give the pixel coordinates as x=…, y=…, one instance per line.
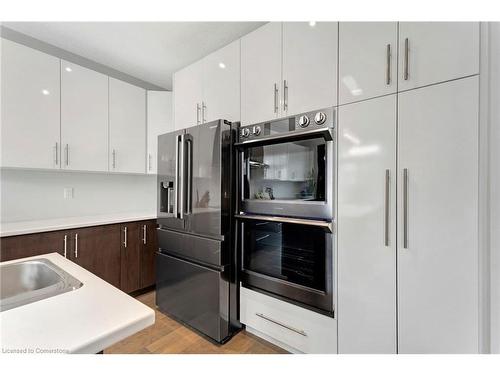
x=290, y=260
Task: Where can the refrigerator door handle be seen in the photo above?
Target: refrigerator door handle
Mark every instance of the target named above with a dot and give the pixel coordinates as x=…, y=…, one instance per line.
x=189, y=174
x=180, y=177
x=176, y=183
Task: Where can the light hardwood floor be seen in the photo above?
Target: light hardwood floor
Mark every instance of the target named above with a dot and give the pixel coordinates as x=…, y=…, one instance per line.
x=170, y=337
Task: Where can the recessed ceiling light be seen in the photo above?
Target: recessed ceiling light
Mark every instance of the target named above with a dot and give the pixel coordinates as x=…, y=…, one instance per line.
x=45, y=92
x=68, y=69
x=222, y=65
x=312, y=23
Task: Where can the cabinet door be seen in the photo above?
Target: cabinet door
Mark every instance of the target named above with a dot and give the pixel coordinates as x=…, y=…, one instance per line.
x=367, y=205
x=97, y=249
x=431, y=52
x=84, y=118
x=188, y=96
x=309, y=66
x=28, y=245
x=159, y=122
x=130, y=257
x=261, y=74
x=437, y=204
x=30, y=108
x=221, y=84
x=148, y=252
x=127, y=127
x=367, y=60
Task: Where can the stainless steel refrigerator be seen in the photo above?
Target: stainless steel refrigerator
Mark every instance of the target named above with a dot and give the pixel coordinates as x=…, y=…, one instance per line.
x=196, y=261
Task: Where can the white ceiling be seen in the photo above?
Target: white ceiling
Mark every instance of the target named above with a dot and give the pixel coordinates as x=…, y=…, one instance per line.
x=150, y=51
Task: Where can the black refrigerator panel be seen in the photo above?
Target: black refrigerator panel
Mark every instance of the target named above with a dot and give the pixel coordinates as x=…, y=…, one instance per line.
x=208, y=164
x=195, y=295
x=169, y=180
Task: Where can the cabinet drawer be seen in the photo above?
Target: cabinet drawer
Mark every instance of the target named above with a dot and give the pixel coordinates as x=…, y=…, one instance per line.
x=301, y=329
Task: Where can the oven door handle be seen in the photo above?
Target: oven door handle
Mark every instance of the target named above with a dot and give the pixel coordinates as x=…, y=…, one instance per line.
x=289, y=220
x=326, y=133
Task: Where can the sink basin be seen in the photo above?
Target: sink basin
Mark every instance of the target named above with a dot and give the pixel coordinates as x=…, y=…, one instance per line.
x=32, y=280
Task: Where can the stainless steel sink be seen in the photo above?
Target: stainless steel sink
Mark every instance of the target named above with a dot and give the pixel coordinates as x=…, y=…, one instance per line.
x=33, y=280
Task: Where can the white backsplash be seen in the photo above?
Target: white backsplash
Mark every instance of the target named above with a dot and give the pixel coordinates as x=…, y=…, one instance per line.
x=37, y=195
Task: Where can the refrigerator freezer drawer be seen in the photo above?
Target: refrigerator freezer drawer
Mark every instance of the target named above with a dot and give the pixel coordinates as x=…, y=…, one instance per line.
x=198, y=249
x=196, y=295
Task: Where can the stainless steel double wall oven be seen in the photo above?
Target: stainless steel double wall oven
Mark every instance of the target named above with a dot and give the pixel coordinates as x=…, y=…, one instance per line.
x=285, y=208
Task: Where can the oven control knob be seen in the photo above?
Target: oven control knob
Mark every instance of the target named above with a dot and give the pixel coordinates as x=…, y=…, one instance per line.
x=320, y=118
x=303, y=121
x=245, y=133
x=256, y=130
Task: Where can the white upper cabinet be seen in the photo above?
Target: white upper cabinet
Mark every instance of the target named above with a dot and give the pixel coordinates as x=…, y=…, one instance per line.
x=188, y=95
x=221, y=84
x=159, y=116
x=127, y=127
x=431, y=52
x=367, y=60
x=84, y=118
x=309, y=66
x=30, y=107
x=438, y=218
x=261, y=74
x=367, y=227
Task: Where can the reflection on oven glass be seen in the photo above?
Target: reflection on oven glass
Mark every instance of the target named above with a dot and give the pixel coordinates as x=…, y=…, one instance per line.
x=287, y=171
x=289, y=252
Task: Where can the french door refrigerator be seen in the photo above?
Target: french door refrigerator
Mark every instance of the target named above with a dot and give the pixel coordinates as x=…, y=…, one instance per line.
x=196, y=262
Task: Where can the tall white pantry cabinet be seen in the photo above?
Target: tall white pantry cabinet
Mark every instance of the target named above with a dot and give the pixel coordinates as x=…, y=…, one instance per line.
x=408, y=198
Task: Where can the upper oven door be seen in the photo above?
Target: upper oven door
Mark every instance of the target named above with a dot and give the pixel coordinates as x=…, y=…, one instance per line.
x=291, y=177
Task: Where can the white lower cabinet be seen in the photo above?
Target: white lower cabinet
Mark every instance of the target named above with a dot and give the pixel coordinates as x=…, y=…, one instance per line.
x=438, y=218
x=292, y=327
x=127, y=127
x=367, y=226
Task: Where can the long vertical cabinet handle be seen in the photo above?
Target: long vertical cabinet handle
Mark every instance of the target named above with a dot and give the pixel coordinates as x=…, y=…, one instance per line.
x=114, y=159
x=56, y=154
x=386, y=213
x=405, y=208
x=149, y=162
x=275, y=98
x=66, y=149
x=125, y=237
x=198, y=114
x=407, y=60
x=65, y=245
x=144, y=234
x=203, y=110
x=177, y=182
x=388, y=67
x=285, y=95
x=180, y=176
x=76, y=245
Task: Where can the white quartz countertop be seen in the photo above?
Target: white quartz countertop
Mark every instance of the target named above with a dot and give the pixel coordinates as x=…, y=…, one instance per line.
x=85, y=320
x=26, y=227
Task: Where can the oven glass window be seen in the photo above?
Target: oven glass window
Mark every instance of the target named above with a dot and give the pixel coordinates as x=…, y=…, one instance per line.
x=290, y=252
x=286, y=171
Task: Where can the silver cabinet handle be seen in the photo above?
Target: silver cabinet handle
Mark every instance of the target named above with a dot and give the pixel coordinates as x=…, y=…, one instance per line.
x=299, y=331
x=285, y=95
x=56, y=153
x=406, y=60
x=203, y=110
x=65, y=245
x=275, y=98
x=66, y=149
x=149, y=162
x=405, y=208
x=144, y=234
x=125, y=237
x=388, y=68
x=76, y=245
x=114, y=159
x=386, y=213
x=198, y=114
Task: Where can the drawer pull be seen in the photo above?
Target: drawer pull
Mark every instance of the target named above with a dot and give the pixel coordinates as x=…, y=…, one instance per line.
x=299, y=331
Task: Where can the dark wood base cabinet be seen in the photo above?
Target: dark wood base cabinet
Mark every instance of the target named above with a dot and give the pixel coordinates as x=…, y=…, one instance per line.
x=121, y=254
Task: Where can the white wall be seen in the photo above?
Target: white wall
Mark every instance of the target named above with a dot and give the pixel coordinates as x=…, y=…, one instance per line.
x=494, y=148
x=38, y=195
